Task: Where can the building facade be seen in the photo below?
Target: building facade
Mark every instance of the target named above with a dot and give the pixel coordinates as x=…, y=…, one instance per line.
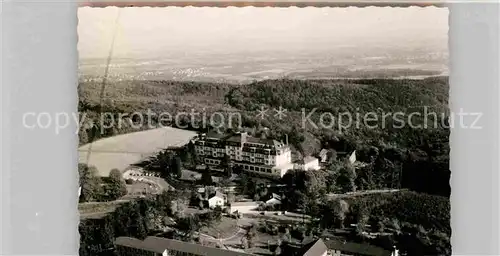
x=262, y=156
x=158, y=246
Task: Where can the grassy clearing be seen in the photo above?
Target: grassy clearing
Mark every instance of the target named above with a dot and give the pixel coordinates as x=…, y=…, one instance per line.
x=227, y=227
x=124, y=150
x=88, y=208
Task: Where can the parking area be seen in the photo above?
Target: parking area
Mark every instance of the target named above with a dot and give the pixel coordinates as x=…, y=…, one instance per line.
x=141, y=183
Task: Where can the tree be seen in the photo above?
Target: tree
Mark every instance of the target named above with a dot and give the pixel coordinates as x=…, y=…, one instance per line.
x=164, y=202
x=206, y=177
x=315, y=182
x=394, y=224
x=179, y=207
x=237, y=169
x=287, y=237
x=230, y=197
x=340, y=208
x=190, y=155
x=260, y=189
x=365, y=178
x=234, y=98
x=250, y=236
x=363, y=217
x=217, y=213
x=224, y=183
x=347, y=178
x=244, y=242
x=163, y=161
x=227, y=165
x=331, y=156
x=189, y=225
x=245, y=183
x=177, y=166
x=90, y=183
x=117, y=186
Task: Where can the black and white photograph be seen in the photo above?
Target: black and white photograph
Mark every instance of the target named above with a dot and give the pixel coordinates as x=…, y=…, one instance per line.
x=265, y=131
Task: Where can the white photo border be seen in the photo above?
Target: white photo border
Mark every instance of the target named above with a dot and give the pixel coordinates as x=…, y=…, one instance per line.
x=39, y=61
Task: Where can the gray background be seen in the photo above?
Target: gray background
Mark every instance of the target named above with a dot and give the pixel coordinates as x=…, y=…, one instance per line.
x=39, y=182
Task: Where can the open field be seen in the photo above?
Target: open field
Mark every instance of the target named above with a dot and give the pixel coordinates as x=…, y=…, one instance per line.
x=97, y=209
x=225, y=229
x=124, y=150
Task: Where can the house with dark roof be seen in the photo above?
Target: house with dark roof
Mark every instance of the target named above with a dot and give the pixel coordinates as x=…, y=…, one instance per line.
x=158, y=246
x=320, y=247
x=307, y=247
x=315, y=248
x=325, y=155
x=344, y=248
x=274, y=199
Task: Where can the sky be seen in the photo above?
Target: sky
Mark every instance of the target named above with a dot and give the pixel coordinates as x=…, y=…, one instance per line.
x=144, y=32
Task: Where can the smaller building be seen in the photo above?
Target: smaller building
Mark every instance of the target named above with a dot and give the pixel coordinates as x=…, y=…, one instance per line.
x=320, y=247
x=158, y=246
x=274, y=200
x=217, y=199
x=315, y=248
x=344, y=248
x=326, y=154
x=323, y=155
x=308, y=163
x=352, y=157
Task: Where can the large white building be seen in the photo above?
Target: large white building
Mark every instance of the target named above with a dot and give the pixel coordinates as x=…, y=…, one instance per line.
x=263, y=156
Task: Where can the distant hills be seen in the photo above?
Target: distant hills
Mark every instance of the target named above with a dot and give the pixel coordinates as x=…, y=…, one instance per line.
x=246, y=67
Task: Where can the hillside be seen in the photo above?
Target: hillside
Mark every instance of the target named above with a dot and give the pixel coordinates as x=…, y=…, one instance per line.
x=422, y=153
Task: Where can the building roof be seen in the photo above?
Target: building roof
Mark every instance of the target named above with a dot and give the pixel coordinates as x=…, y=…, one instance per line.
x=323, y=153
x=307, y=160
x=314, y=248
x=267, y=142
x=362, y=249
x=217, y=194
x=235, y=138
x=276, y=196
x=215, y=135
x=159, y=245
x=130, y=242
x=243, y=138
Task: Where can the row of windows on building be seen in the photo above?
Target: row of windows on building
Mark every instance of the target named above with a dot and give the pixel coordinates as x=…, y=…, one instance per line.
x=246, y=157
x=256, y=160
x=243, y=166
x=210, y=151
x=211, y=161
x=127, y=251
x=245, y=148
x=255, y=168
